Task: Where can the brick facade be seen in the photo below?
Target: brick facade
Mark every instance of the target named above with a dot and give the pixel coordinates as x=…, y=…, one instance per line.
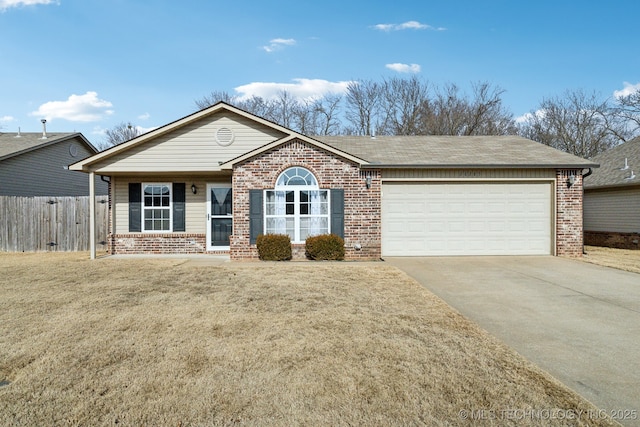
x=569, y=233
x=158, y=243
x=362, y=216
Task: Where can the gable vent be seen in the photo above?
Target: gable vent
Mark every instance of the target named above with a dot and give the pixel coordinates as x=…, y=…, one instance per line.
x=224, y=136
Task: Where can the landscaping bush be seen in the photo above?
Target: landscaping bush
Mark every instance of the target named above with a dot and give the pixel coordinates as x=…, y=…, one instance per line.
x=274, y=247
x=325, y=247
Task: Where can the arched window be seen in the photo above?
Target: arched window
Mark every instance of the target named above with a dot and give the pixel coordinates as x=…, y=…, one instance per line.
x=297, y=206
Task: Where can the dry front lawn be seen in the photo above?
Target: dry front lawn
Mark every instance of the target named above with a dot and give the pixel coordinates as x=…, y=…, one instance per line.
x=622, y=259
x=165, y=342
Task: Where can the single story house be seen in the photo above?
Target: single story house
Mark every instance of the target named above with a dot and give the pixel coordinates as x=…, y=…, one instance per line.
x=211, y=182
x=612, y=198
x=36, y=164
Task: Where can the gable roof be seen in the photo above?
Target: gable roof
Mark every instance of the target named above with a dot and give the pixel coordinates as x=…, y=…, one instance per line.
x=15, y=144
x=85, y=165
x=612, y=162
x=454, y=152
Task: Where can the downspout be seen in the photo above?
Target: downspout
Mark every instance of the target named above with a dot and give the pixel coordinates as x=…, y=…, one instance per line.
x=584, y=175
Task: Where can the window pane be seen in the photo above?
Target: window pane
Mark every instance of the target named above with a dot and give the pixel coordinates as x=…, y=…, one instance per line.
x=312, y=226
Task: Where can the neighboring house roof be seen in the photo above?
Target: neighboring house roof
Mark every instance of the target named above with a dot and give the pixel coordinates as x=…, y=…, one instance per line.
x=612, y=172
x=454, y=151
x=14, y=144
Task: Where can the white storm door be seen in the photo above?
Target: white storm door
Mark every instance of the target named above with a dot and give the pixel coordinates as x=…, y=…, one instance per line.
x=219, y=216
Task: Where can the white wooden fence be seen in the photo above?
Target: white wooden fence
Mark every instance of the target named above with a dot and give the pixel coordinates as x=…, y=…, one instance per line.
x=39, y=224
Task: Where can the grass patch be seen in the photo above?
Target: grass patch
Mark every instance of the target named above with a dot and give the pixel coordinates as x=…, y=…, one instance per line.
x=622, y=259
x=163, y=342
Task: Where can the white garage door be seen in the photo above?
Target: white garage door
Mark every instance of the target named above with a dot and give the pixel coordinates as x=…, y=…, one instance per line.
x=422, y=219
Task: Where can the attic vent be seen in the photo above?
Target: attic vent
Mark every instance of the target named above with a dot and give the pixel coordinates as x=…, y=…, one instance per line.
x=224, y=136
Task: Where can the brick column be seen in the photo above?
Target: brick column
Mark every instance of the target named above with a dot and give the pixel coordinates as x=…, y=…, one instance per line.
x=569, y=230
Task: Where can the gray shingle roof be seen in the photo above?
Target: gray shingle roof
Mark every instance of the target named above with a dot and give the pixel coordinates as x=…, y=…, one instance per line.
x=611, y=172
x=455, y=151
x=11, y=144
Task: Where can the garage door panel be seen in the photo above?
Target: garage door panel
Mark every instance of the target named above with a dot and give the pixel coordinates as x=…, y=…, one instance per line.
x=466, y=219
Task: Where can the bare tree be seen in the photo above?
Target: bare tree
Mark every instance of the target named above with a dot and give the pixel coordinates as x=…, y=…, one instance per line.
x=402, y=101
x=213, y=98
x=118, y=134
x=451, y=112
x=577, y=122
x=327, y=110
x=363, y=105
x=626, y=115
x=486, y=114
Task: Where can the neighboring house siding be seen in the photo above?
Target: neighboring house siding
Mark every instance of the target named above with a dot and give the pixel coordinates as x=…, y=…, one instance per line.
x=453, y=174
x=362, y=209
x=193, y=147
x=196, y=204
x=42, y=172
x=612, y=210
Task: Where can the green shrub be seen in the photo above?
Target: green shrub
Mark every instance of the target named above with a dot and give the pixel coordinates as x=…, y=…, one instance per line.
x=325, y=247
x=274, y=247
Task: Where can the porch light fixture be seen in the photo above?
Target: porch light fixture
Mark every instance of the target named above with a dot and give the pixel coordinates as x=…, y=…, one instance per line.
x=571, y=180
x=194, y=189
x=368, y=181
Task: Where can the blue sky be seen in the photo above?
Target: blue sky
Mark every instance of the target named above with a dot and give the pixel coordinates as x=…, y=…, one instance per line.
x=87, y=65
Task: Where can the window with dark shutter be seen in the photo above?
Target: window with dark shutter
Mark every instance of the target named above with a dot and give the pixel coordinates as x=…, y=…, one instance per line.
x=255, y=215
x=135, y=207
x=179, y=206
x=337, y=211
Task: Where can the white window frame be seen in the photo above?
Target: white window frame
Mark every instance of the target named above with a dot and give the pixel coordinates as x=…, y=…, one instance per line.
x=146, y=208
x=283, y=186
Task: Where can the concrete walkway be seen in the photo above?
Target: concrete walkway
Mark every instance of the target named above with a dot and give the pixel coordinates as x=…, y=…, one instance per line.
x=578, y=321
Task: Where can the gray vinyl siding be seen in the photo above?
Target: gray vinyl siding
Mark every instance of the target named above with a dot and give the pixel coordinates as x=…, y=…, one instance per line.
x=42, y=172
x=192, y=148
x=195, y=204
x=612, y=210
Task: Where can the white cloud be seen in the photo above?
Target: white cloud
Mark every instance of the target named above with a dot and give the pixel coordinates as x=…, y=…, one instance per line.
x=404, y=68
x=627, y=90
x=409, y=25
x=306, y=89
x=144, y=116
x=6, y=4
x=7, y=119
x=78, y=108
x=528, y=116
x=278, y=44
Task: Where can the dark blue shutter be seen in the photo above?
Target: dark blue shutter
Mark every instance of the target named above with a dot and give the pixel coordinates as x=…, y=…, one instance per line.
x=135, y=207
x=255, y=215
x=337, y=211
x=178, y=206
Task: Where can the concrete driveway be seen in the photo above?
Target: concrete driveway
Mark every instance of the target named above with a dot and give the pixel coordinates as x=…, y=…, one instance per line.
x=578, y=321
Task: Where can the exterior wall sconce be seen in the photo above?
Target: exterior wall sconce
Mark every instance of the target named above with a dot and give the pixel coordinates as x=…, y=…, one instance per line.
x=194, y=189
x=368, y=181
x=571, y=180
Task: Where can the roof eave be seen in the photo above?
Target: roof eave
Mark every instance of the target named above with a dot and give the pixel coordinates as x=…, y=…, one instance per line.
x=477, y=166
x=293, y=135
